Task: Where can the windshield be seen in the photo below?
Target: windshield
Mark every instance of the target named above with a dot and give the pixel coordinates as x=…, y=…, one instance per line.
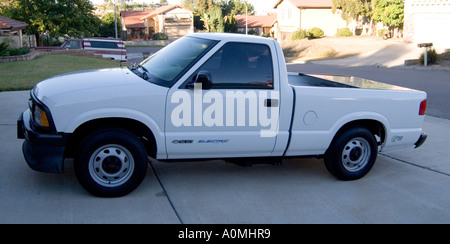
x=170, y=63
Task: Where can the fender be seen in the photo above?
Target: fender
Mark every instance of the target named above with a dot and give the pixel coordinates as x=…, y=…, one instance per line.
x=316, y=142
x=363, y=115
x=104, y=113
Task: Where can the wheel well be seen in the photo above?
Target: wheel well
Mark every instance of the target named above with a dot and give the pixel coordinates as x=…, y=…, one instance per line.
x=375, y=127
x=136, y=127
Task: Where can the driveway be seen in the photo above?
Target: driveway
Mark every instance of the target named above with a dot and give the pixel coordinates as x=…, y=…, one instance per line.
x=407, y=186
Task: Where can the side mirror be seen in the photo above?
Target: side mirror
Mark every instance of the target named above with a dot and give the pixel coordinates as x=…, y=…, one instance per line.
x=203, y=77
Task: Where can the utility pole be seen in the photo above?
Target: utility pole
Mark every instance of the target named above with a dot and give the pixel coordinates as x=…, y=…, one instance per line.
x=115, y=20
x=246, y=19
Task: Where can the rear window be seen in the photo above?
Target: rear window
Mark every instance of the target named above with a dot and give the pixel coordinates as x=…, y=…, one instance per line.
x=100, y=44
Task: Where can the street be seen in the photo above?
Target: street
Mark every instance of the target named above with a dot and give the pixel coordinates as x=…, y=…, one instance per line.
x=405, y=186
x=135, y=54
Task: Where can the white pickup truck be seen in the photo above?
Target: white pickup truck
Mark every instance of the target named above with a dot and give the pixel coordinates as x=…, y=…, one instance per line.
x=205, y=96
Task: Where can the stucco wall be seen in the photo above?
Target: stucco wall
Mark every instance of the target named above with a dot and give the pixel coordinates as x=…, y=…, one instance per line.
x=324, y=19
x=292, y=18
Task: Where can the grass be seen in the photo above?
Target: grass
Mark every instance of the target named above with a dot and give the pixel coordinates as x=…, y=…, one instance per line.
x=24, y=75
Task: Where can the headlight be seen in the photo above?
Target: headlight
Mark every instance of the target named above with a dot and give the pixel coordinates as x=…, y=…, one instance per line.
x=40, y=114
x=40, y=117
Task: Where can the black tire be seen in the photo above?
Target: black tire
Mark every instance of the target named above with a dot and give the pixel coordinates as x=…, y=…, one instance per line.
x=352, y=154
x=111, y=162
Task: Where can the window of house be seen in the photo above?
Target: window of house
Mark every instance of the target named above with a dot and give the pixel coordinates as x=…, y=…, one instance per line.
x=286, y=14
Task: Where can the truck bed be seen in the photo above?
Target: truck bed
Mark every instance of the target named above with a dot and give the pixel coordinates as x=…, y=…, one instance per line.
x=320, y=110
x=339, y=81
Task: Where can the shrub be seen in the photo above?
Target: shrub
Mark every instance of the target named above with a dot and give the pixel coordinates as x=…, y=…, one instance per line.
x=300, y=34
x=382, y=32
x=316, y=32
x=160, y=36
x=432, y=57
x=18, y=51
x=3, y=49
x=344, y=32
x=254, y=32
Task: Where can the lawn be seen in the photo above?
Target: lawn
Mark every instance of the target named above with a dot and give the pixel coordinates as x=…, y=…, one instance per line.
x=24, y=75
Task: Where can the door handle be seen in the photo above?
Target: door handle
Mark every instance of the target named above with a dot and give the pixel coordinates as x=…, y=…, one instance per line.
x=271, y=103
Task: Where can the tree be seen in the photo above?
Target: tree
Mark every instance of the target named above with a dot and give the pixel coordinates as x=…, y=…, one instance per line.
x=215, y=16
x=199, y=6
x=107, y=28
x=236, y=7
x=390, y=12
x=216, y=20
x=70, y=18
x=352, y=9
x=206, y=20
x=230, y=24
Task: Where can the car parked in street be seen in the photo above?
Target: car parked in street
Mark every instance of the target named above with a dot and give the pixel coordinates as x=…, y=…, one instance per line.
x=106, y=47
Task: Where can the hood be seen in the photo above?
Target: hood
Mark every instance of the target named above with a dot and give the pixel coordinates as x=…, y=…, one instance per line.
x=75, y=98
x=82, y=80
x=90, y=85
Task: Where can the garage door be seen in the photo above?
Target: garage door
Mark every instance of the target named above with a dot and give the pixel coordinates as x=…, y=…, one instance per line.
x=178, y=31
x=432, y=28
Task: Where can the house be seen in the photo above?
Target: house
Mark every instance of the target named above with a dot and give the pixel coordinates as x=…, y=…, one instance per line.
x=427, y=21
x=11, y=30
x=257, y=24
x=306, y=14
x=132, y=26
x=173, y=20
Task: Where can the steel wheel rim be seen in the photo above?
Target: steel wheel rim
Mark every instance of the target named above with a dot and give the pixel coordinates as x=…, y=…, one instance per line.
x=111, y=165
x=356, y=154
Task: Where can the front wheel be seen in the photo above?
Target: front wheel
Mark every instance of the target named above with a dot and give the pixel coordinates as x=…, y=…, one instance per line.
x=352, y=154
x=111, y=162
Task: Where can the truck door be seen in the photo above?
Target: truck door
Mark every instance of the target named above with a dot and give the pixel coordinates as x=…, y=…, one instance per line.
x=228, y=107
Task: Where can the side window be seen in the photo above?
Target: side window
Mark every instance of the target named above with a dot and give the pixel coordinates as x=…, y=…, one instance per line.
x=241, y=66
x=73, y=45
x=100, y=44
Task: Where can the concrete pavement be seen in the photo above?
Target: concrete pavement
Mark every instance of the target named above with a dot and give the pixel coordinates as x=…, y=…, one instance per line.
x=408, y=186
x=390, y=56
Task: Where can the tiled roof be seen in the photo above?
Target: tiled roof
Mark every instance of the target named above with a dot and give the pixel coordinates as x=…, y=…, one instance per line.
x=11, y=24
x=163, y=9
x=255, y=21
x=132, y=19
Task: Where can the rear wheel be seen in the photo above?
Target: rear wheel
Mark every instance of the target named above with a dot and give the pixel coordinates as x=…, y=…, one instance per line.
x=352, y=154
x=111, y=162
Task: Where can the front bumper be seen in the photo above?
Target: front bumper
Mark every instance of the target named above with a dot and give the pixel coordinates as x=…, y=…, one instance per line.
x=43, y=152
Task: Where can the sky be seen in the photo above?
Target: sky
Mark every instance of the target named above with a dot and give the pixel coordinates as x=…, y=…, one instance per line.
x=261, y=6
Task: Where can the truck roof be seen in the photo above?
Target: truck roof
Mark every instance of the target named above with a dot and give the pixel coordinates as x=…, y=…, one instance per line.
x=230, y=37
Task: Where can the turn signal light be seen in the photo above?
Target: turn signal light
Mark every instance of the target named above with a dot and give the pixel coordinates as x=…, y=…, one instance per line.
x=44, y=120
